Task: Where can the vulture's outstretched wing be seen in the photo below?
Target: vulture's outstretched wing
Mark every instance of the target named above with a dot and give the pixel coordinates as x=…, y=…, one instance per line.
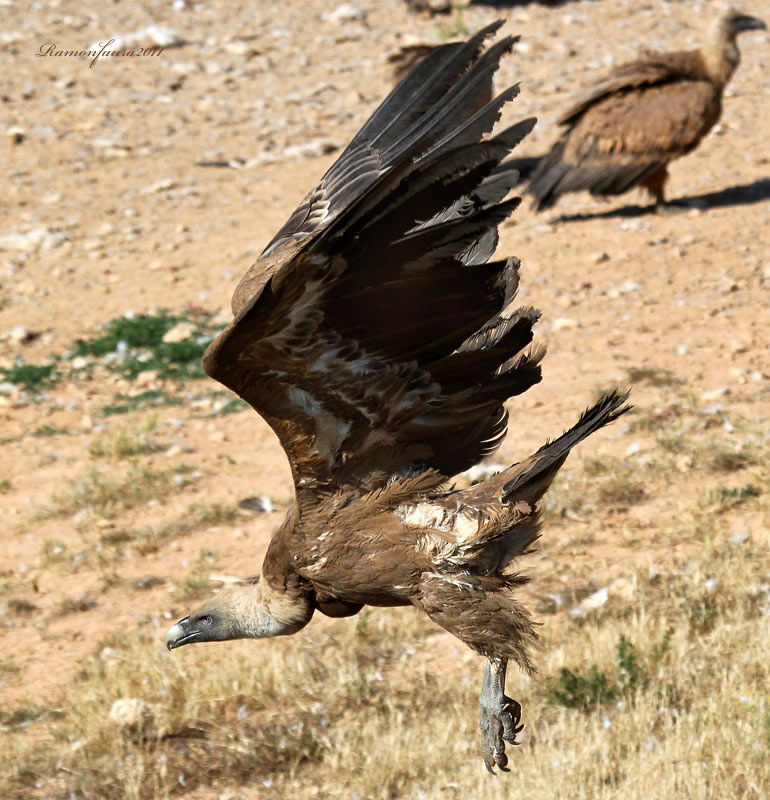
x=374, y=341
x=390, y=136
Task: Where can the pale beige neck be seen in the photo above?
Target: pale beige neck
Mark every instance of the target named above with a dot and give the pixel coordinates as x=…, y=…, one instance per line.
x=292, y=610
x=720, y=53
x=262, y=612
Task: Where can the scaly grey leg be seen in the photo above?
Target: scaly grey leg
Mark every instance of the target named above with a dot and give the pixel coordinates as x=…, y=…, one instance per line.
x=500, y=716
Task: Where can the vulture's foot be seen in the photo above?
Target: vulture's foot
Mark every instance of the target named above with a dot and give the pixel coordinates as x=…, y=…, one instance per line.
x=500, y=716
x=670, y=208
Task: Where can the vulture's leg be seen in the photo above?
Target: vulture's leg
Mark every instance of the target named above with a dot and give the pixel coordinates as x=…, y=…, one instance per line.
x=499, y=716
x=655, y=186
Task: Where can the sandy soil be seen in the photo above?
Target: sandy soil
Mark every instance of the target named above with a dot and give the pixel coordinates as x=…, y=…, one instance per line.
x=104, y=160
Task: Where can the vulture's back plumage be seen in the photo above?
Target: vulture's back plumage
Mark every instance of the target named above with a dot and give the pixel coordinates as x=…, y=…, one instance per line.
x=374, y=335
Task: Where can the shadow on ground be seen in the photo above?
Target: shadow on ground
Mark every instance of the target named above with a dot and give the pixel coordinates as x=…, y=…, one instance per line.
x=512, y=3
x=746, y=194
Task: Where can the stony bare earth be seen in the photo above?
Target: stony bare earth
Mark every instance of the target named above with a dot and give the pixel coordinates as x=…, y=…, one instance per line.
x=112, y=524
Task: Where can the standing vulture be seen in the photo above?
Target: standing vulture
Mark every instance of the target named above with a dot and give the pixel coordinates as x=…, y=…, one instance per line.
x=624, y=131
x=373, y=336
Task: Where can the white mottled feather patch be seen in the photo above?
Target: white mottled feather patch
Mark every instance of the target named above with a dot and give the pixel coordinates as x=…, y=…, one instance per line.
x=318, y=564
x=461, y=523
x=455, y=580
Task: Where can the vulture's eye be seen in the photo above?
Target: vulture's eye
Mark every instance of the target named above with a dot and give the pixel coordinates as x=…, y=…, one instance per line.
x=206, y=620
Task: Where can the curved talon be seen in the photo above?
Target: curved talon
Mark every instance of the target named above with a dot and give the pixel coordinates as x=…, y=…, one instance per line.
x=498, y=726
x=511, y=719
x=500, y=718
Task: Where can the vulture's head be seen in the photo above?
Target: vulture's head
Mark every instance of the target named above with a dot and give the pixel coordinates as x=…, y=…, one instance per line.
x=253, y=612
x=216, y=621
x=734, y=22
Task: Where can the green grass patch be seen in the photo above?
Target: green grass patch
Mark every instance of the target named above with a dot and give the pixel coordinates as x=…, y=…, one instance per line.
x=592, y=688
x=107, y=494
x=152, y=398
x=652, y=376
x=30, y=376
x=48, y=430
x=20, y=716
x=722, y=498
x=137, y=345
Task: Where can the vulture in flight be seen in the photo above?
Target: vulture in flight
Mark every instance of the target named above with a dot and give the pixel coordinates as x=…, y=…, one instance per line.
x=373, y=334
x=624, y=131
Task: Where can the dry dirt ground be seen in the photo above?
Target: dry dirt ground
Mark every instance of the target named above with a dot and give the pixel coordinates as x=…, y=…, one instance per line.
x=113, y=524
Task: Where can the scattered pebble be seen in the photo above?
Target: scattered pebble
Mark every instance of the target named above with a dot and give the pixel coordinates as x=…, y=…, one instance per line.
x=347, y=12
x=715, y=394
x=37, y=238
x=591, y=603
x=16, y=134
x=560, y=323
x=259, y=504
x=130, y=712
x=180, y=332
x=480, y=472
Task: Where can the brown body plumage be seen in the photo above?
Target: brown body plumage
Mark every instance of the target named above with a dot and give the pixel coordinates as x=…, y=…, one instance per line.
x=626, y=129
x=373, y=336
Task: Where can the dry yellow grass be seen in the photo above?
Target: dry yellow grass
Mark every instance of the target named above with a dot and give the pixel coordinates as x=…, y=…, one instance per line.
x=354, y=708
x=381, y=706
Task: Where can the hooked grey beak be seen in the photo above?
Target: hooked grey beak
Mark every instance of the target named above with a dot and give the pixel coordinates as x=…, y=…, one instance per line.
x=747, y=23
x=180, y=634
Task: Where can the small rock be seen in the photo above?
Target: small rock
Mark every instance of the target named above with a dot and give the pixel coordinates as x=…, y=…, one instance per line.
x=481, y=472
x=79, y=362
x=561, y=323
x=260, y=505
x=146, y=378
x=21, y=335
x=740, y=538
x=347, y=12
x=180, y=332
x=16, y=134
x=42, y=238
x=310, y=149
x=130, y=712
x=715, y=394
x=591, y=603
x=240, y=48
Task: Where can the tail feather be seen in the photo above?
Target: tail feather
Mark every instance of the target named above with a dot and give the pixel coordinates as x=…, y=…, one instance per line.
x=600, y=176
x=544, y=186
x=535, y=475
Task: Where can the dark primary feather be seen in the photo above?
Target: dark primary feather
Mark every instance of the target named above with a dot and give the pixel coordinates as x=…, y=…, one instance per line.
x=374, y=338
